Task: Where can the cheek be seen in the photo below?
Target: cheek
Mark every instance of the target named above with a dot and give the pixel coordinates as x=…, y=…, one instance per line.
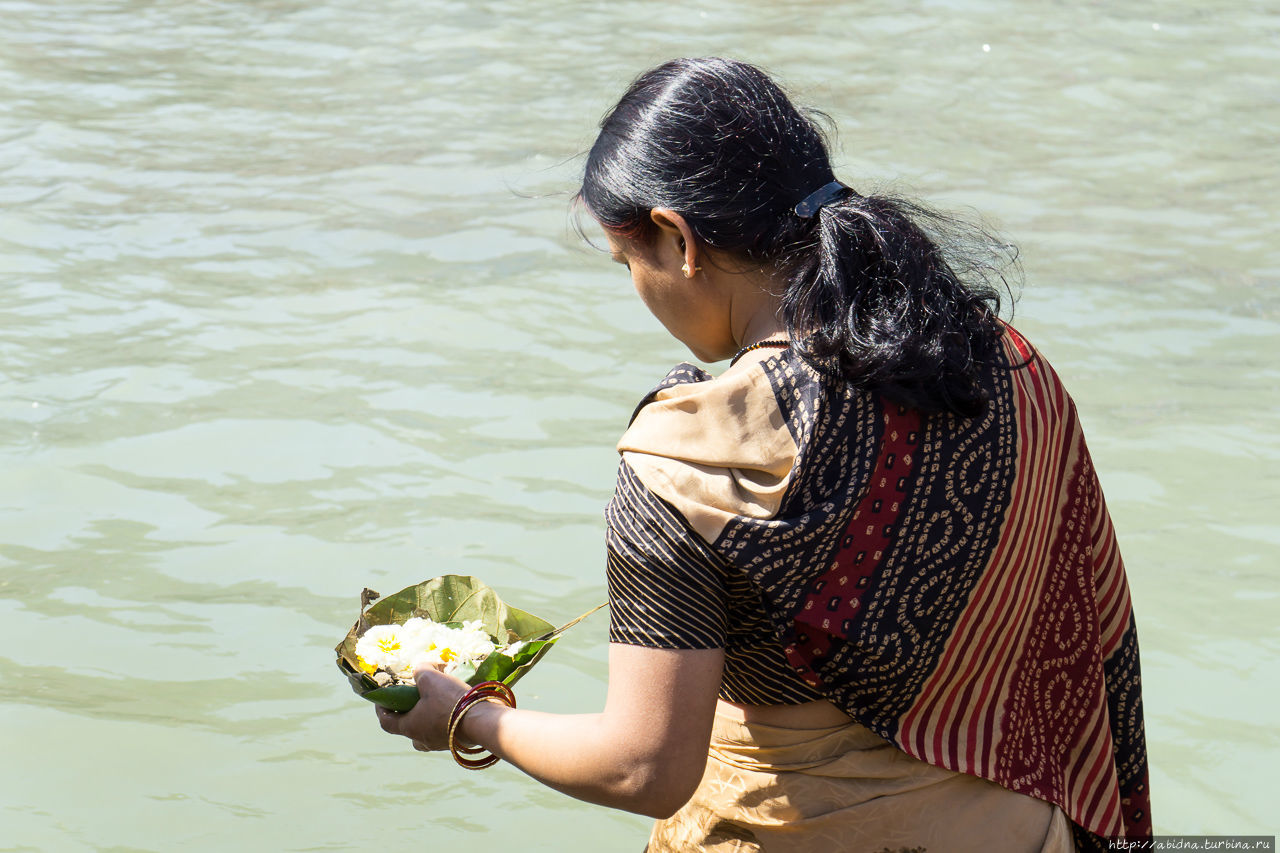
x=645, y=288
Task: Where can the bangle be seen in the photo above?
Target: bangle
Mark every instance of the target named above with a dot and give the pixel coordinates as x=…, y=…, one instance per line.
x=486, y=691
x=482, y=690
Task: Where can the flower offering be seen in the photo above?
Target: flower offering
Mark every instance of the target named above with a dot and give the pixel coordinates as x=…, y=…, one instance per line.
x=454, y=620
x=397, y=649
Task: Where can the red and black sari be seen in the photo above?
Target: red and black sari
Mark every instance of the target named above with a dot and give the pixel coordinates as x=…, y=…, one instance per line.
x=953, y=585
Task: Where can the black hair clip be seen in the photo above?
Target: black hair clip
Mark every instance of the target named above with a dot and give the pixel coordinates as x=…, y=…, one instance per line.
x=820, y=198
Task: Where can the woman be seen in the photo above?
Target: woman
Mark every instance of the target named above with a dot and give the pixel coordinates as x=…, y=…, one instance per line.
x=869, y=564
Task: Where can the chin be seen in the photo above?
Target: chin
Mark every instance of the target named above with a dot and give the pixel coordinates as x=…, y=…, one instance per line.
x=705, y=357
x=708, y=356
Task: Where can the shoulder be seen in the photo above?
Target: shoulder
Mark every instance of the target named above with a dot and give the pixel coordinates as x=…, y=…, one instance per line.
x=713, y=447
x=728, y=421
x=1038, y=390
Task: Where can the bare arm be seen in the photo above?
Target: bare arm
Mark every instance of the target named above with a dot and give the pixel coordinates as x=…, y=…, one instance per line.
x=644, y=753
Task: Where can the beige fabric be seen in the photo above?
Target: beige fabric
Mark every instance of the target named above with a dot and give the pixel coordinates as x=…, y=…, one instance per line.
x=714, y=449
x=768, y=788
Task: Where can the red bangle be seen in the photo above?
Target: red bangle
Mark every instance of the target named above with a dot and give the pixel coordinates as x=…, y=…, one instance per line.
x=480, y=691
x=486, y=691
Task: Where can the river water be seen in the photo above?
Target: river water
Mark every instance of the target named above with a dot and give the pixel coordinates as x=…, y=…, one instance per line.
x=290, y=306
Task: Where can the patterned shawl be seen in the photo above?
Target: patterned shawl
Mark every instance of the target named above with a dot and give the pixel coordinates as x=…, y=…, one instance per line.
x=954, y=585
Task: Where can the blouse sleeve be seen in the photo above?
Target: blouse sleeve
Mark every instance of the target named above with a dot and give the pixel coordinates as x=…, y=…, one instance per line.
x=666, y=585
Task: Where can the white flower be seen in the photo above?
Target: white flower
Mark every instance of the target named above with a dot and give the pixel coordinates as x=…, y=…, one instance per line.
x=384, y=646
x=400, y=647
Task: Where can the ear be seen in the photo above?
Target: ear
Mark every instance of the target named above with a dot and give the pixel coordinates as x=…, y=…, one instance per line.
x=675, y=233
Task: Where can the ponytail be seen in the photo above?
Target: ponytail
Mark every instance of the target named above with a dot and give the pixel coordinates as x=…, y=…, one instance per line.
x=874, y=299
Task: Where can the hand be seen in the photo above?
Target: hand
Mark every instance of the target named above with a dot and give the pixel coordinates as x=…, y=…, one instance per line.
x=426, y=723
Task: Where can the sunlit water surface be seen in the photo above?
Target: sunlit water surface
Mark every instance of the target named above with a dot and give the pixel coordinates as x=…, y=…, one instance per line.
x=289, y=306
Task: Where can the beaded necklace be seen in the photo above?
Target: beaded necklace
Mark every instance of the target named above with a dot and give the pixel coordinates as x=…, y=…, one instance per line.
x=759, y=345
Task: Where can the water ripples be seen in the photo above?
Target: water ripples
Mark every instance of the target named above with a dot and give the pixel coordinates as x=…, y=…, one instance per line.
x=289, y=305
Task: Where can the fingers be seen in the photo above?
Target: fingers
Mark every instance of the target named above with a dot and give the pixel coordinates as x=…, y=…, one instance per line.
x=389, y=720
x=423, y=671
x=426, y=722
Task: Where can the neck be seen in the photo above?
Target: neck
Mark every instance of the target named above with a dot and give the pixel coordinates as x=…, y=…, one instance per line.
x=764, y=326
x=755, y=315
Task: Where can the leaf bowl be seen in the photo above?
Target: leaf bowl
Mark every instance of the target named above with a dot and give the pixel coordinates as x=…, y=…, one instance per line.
x=449, y=598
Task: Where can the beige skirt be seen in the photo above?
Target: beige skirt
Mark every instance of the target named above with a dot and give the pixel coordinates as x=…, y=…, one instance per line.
x=768, y=788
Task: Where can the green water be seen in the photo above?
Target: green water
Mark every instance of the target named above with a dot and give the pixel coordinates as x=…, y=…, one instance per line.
x=289, y=306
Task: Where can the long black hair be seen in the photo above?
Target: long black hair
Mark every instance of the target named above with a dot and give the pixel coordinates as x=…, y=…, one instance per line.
x=880, y=292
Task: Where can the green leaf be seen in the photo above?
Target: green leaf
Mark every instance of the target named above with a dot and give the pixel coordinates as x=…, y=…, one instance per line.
x=450, y=598
x=397, y=697
x=495, y=667
x=465, y=672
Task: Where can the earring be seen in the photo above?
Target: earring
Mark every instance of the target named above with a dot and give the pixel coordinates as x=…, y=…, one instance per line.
x=685, y=269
